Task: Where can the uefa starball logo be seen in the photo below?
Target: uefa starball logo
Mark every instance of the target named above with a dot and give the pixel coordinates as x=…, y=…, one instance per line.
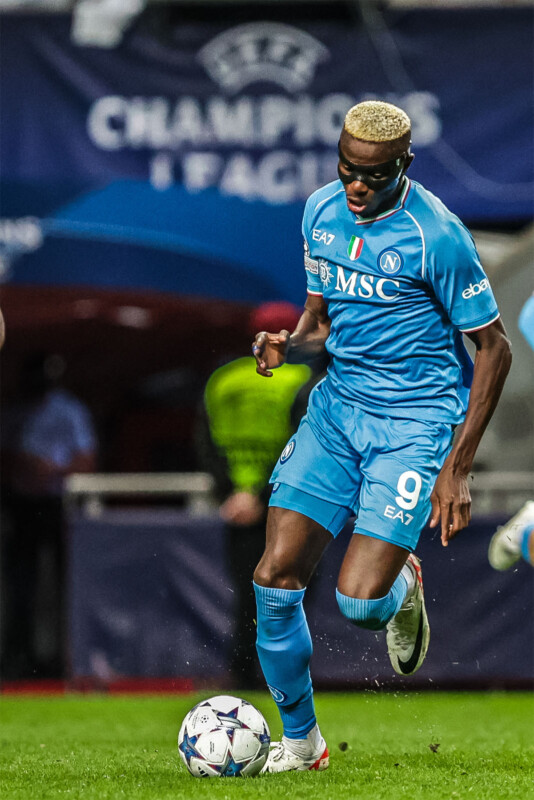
x=263, y=51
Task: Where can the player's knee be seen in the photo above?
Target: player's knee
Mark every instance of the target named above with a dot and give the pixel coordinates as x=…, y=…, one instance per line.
x=365, y=587
x=271, y=575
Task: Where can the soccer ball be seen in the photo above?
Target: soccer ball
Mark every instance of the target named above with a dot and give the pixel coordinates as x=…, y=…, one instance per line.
x=224, y=737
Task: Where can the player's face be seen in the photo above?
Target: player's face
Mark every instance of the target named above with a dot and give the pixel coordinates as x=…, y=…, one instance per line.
x=371, y=173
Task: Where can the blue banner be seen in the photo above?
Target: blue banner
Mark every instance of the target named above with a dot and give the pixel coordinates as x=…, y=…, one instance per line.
x=182, y=163
x=149, y=594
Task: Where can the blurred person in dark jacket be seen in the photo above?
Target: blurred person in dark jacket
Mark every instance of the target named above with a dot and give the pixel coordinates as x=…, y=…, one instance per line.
x=47, y=434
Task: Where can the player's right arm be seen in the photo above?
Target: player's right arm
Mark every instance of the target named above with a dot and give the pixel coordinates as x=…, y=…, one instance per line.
x=271, y=350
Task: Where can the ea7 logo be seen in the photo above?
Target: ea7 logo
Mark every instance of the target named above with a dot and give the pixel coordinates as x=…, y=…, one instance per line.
x=475, y=288
x=395, y=513
x=322, y=236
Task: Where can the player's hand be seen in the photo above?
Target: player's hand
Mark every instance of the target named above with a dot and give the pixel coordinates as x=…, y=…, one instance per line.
x=269, y=350
x=242, y=508
x=451, y=502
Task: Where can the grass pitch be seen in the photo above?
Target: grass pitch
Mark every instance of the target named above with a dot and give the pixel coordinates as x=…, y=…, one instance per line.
x=382, y=747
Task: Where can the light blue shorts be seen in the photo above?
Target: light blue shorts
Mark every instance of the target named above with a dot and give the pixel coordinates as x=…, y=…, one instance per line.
x=344, y=461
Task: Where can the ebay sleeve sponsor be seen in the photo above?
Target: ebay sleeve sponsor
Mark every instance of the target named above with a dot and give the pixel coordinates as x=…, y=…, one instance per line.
x=459, y=281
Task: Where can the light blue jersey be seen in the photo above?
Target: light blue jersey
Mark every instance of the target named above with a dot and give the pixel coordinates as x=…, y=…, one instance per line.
x=401, y=289
x=526, y=321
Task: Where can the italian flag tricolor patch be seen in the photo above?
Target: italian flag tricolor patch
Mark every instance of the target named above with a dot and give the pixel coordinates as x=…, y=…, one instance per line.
x=355, y=247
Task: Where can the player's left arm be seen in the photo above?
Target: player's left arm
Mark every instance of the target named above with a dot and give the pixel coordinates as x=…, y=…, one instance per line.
x=451, y=499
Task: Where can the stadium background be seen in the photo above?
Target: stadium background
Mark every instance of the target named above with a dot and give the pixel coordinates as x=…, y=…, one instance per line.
x=155, y=158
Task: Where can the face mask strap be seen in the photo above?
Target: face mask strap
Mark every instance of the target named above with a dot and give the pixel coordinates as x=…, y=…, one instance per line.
x=394, y=166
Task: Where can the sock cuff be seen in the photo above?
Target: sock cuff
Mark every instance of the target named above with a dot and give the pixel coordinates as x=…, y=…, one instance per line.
x=367, y=613
x=277, y=602
x=373, y=613
x=524, y=542
x=345, y=601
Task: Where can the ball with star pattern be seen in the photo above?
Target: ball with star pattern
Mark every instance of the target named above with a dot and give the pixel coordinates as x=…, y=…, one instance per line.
x=224, y=737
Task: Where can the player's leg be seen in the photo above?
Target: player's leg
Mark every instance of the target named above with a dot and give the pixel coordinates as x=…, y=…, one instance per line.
x=294, y=545
x=370, y=567
x=380, y=585
x=515, y=539
x=315, y=482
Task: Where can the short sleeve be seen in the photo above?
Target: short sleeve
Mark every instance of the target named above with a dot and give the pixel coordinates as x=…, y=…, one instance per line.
x=459, y=281
x=83, y=434
x=311, y=265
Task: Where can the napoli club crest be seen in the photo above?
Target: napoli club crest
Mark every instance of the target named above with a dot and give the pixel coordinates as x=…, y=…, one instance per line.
x=390, y=261
x=287, y=452
x=277, y=694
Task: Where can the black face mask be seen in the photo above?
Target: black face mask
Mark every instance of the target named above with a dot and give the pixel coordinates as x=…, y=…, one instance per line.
x=375, y=176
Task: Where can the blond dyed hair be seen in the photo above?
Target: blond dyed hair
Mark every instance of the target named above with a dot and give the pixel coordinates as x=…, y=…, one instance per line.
x=376, y=121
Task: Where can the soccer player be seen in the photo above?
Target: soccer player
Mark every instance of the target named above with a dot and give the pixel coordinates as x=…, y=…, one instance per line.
x=515, y=539
x=394, y=280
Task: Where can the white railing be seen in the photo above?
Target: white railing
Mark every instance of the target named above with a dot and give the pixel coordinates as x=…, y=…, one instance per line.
x=91, y=490
x=492, y=492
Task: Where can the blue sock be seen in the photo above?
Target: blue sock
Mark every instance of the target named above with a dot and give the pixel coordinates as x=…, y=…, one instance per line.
x=524, y=540
x=374, y=614
x=284, y=648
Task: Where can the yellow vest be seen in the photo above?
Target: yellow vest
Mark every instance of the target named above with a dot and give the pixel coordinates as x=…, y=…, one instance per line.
x=249, y=417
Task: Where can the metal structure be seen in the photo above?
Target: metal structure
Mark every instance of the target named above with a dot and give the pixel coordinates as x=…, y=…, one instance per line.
x=91, y=490
x=492, y=492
